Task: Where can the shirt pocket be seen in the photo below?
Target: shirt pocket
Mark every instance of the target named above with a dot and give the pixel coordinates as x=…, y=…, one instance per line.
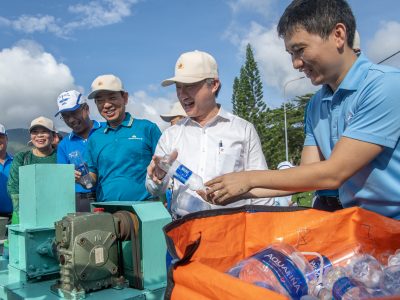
x=228, y=160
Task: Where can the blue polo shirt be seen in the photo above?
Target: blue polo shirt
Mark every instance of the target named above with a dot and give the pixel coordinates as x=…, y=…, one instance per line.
x=5, y=200
x=73, y=142
x=120, y=156
x=364, y=107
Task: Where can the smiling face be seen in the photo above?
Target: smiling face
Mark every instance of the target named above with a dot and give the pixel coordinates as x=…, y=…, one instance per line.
x=320, y=59
x=41, y=138
x=111, y=106
x=78, y=120
x=198, y=99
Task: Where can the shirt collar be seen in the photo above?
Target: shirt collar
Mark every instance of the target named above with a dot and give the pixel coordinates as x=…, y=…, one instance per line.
x=96, y=125
x=353, y=78
x=127, y=122
x=221, y=115
x=8, y=157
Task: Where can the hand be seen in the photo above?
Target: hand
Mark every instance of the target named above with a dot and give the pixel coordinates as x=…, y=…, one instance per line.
x=155, y=172
x=77, y=176
x=226, y=188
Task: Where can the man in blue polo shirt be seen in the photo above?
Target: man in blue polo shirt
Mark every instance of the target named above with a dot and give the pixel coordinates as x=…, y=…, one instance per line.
x=73, y=109
x=6, y=207
x=352, y=127
x=119, y=153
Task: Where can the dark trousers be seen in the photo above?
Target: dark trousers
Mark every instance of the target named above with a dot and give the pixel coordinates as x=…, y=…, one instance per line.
x=83, y=200
x=327, y=203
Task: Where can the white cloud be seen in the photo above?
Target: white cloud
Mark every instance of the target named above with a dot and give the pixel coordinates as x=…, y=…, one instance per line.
x=93, y=14
x=274, y=63
x=143, y=106
x=30, y=81
x=384, y=43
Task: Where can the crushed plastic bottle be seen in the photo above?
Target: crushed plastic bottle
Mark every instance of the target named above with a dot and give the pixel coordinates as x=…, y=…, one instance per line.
x=76, y=158
x=391, y=280
x=346, y=289
x=182, y=173
x=366, y=271
x=278, y=267
x=394, y=259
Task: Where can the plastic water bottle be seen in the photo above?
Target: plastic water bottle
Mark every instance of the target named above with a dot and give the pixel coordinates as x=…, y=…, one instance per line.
x=394, y=259
x=367, y=271
x=80, y=165
x=391, y=280
x=278, y=267
x=182, y=173
x=347, y=289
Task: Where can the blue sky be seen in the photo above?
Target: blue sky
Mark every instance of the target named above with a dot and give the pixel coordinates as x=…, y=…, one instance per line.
x=50, y=46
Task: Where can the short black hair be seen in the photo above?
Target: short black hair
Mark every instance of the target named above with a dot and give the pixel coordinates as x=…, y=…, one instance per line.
x=317, y=17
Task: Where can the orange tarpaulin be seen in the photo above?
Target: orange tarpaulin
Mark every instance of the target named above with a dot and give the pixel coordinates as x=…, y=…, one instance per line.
x=207, y=244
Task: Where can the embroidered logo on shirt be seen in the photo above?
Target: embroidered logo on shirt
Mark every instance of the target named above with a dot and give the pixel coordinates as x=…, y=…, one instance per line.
x=349, y=116
x=134, y=137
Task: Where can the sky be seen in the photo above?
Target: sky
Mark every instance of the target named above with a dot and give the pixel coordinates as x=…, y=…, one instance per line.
x=47, y=47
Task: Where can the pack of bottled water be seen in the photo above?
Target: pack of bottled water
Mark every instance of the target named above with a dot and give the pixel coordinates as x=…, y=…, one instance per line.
x=348, y=275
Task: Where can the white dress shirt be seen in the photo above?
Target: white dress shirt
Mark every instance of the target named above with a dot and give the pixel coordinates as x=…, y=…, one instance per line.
x=227, y=143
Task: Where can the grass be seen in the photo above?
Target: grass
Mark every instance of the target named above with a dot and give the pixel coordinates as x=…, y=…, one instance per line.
x=303, y=199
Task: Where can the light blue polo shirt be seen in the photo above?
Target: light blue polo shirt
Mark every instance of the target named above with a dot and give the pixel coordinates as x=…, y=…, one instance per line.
x=366, y=107
x=5, y=200
x=120, y=156
x=73, y=142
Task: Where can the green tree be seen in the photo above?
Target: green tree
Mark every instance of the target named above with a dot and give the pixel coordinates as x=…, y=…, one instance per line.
x=247, y=97
x=275, y=144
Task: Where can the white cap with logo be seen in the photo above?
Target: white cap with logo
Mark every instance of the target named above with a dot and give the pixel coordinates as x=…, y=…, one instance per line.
x=3, y=129
x=109, y=82
x=176, y=110
x=42, y=122
x=193, y=67
x=69, y=101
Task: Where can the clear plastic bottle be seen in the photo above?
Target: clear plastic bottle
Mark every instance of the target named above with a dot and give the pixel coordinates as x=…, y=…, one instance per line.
x=278, y=267
x=394, y=259
x=80, y=165
x=182, y=173
x=391, y=280
x=346, y=289
x=367, y=271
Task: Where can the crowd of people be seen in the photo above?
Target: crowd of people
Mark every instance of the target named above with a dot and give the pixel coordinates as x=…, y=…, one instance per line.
x=351, y=142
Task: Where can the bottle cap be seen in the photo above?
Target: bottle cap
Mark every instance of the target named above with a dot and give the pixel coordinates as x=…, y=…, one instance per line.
x=98, y=209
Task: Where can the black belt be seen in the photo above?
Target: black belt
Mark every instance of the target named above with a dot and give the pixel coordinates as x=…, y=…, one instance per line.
x=89, y=195
x=328, y=203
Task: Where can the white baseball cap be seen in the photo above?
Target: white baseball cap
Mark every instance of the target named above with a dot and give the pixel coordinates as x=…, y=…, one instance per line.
x=69, y=101
x=107, y=82
x=193, y=67
x=3, y=129
x=43, y=122
x=284, y=165
x=176, y=110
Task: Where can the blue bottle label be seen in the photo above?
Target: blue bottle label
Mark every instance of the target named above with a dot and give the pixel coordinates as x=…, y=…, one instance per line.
x=340, y=287
x=285, y=270
x=316, y=263
x=182, y=174
x=82, y=168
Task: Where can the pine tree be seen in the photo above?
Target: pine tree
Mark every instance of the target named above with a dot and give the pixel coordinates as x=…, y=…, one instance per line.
x=247, y=96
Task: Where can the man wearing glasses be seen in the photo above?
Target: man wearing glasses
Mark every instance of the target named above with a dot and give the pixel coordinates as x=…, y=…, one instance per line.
x=210, y=142
x=118, y=154
x=73, y=109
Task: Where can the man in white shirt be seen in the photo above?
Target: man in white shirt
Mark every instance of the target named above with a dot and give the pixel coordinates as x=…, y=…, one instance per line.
x=210, y=141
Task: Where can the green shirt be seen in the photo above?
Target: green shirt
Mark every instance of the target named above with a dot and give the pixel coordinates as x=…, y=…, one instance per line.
x=22, y=159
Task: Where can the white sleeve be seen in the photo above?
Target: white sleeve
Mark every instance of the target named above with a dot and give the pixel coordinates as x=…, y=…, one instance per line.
x=254, y=158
